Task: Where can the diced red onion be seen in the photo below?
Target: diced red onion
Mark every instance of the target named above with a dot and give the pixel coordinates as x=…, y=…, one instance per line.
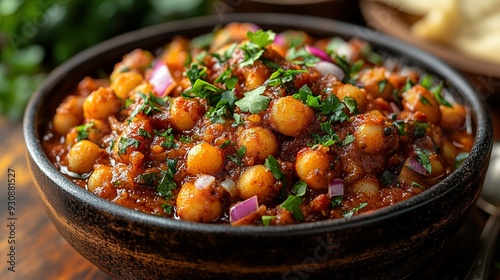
x=161, y=79
x=204, y=181
x=325, y=68
x=242, y=209
x=360, y=84
x=416, y=166
x=394, y=107
x=319, y=53
x=230, y=186
x=279, y=40
x=336, y=188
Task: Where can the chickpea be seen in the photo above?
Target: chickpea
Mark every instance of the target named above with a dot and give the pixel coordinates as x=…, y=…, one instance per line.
x=198, y=205
x=82, y=156
x=313, y=167
x=255, y=75
x=185, y=113
x=420, y=99
x=290, y=116
x=259, y=142
x=367, y=185
x=68, y=115
x=375, y=136
x=256, y=180
x=124, y=82
x=100, y=104
x=376, y=83
x=204, y=159
x=452, y=118
x=354, y=92
x=101, y=176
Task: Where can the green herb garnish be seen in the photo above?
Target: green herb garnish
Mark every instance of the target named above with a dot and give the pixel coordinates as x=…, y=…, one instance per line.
x=352, y=211
x=82, y=131
x=254, y=102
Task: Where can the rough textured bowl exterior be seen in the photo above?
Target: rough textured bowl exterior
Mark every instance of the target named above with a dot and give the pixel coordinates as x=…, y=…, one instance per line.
x=386, y=244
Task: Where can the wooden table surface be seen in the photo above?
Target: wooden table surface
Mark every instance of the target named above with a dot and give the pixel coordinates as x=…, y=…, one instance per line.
x=42, y=253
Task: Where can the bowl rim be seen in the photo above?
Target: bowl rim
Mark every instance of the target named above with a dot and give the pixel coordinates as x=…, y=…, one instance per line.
x=481, y=149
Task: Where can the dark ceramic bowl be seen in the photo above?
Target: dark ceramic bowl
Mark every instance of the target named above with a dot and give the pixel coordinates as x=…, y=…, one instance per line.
x=389, y=243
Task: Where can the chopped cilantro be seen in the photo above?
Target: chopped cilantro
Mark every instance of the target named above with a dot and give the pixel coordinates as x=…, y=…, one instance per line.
x=424, y=100
x=237, y=120
x=167, y=183
x=381, y=85
x=254, y=48
x=82, y=131
x=149, y=104
x=144, y=133
x=427, y=81
x=336, y=200
x=185, y=139
x=149, y=178
x=169, y=140
x=240, y=153
x=460, y=158
x=401, y=126
x=226, y=55
x=299, y=189
x=266, y=220
x=436, y=91
x=196, y=72
x=350, y=103
x=167, y=207
x=302, y=57
x=272, y=164
x=292, y=204
x=348, y=139
x=423, y=158
x=283, y=77
x=126, y=142
x=388, y=178
x=204, y=90
x=352, y=211
x=416, y=185
x=223, y=108
x=229, y=81
x=408, y=85
x=253, y=101
x=420, y=128
x=226, y=143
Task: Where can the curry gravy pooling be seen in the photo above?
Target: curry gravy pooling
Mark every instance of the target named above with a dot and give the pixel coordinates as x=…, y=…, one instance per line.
x=245, y=126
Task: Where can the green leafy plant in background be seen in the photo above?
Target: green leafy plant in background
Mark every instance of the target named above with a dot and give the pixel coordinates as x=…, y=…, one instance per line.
x=38, y=35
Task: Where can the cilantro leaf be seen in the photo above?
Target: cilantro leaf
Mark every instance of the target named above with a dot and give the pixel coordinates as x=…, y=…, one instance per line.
x=149, y=104
x=254, y=48
x=196, y=72
x=266, y=220
x=423, y=158
x=352, y=211
x=299, y=189
x=126, y=142
x=82, y=131
x=167, y=183
x=169, y=140
x=261, y=38
x=272, y=164
x=436, y=91
x=292, y=204
x=253, y=101
x=204, y=90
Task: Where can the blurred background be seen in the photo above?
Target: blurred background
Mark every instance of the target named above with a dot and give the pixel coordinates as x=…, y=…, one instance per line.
x=38, y=35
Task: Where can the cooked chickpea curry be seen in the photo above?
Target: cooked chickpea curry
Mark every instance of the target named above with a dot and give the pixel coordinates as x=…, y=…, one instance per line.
x=246, y=126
